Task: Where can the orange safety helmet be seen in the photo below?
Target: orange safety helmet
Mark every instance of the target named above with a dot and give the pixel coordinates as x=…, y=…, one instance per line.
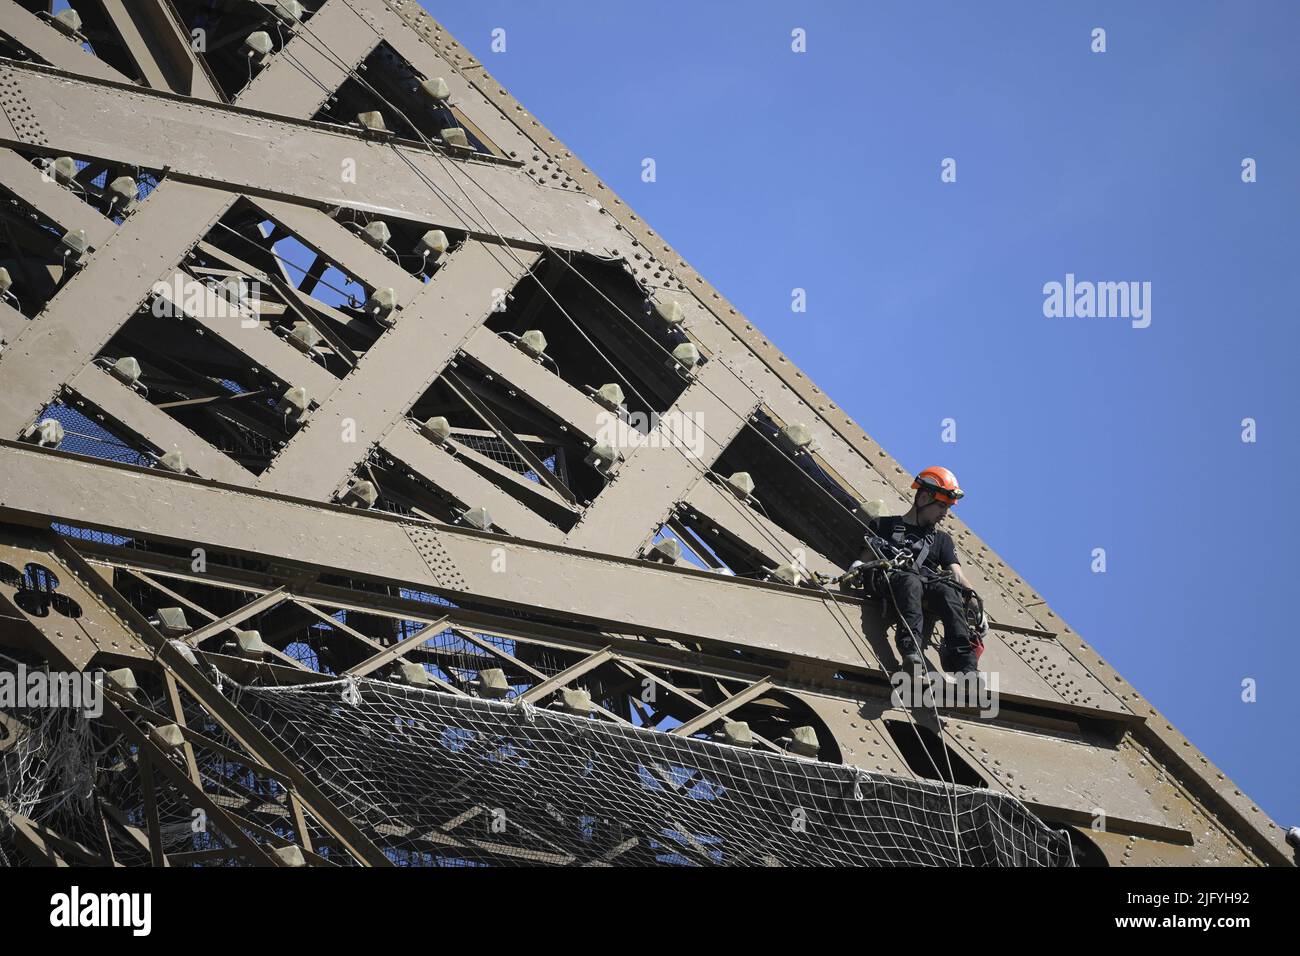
x=940, y=481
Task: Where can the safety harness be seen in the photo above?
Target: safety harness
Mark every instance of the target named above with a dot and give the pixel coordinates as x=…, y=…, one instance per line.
x=912, y=555
x=898, y=537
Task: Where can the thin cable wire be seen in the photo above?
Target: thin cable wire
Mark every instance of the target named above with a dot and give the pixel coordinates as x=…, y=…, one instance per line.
x=485, y=221
x=305, y=272
x=326, y=50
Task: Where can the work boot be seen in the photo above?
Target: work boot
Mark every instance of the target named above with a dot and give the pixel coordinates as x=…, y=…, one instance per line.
x=958, y=661
x=910, y=655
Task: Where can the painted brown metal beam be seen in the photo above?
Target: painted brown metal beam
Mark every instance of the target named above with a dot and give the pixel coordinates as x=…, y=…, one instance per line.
x=503, y=432
x=260, y=346
x=450, y=474
x=744, y=696
x=662, y=468
x=117, y=279
x=395, y=651
x=55, y=201
x=341, y=246
x=249, y=848
x=256, y=606
x=161, y=52
x=43, y=846
x=393, y=374
x=125, y=406
x=583, y=417
x=677, y=603
x=130, y=626
x=745, y=522
x=52, y=46
x=300, y=77
x=12, y=322
x=552, y=684
x=402, y=180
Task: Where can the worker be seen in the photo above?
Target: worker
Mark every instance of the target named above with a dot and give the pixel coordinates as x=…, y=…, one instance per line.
x=928, y=578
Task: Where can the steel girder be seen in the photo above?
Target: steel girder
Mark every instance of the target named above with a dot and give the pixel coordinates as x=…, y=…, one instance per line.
x=525, y=198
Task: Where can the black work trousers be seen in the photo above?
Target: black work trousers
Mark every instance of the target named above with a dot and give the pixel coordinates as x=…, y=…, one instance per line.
x=916, y=594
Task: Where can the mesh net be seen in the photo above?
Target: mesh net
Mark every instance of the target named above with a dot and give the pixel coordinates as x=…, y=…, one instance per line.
x=46, y=768
x=60, y=769
x=443, y=780
x=446, y=780
x=48, y=757
x=496, y=449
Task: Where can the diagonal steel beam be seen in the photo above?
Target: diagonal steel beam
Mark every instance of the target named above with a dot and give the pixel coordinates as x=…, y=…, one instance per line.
x=300, y=77
x=12, y=322
x=147, y=748
x=393, y=374
x=59, y=203
x=552, y=684
x=341, y=246
x=44, y=846
x=126, y=407
x=661, y=468
x=161, y=51
x=450, y=475
x=138, y=836
x=753, y=528
x=178, y=715
x=583, y=417
x=379, y=650
x=117, y=279
x=131, y=624
x=392, y=653
x=222, y=624
x=191, y=74
x=163, y=589
x=502, y=431
x=696, y=724
x=260, y=346
x=52, y=46
x=635, y=668
x=519, y=509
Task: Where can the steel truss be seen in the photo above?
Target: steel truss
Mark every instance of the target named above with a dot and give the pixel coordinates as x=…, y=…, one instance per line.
x=564, y=588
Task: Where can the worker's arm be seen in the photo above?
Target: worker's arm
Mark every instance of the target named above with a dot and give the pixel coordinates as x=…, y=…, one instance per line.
x=955, y=570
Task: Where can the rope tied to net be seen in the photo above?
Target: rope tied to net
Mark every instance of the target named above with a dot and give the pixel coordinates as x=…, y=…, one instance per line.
x=525, y=709
x=351, y=691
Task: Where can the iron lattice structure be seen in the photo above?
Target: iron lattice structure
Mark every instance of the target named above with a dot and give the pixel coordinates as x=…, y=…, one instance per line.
x=266, y=357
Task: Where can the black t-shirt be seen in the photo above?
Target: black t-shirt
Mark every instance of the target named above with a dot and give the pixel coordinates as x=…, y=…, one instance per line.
x=942, y=551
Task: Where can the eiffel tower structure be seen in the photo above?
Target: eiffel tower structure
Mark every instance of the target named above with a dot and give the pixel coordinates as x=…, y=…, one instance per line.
x=413, y=502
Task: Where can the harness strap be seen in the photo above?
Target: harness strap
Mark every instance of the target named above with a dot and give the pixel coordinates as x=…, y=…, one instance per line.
x=899, y=538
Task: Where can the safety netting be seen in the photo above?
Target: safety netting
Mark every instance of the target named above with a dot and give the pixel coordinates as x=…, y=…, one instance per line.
x=442, y=779
x=437, y=779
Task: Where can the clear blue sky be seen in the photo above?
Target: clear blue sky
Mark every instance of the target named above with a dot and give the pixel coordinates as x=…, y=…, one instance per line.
x=821, y=170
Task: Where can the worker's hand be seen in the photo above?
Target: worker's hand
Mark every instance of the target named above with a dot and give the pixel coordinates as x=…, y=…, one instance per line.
x=975, y=612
